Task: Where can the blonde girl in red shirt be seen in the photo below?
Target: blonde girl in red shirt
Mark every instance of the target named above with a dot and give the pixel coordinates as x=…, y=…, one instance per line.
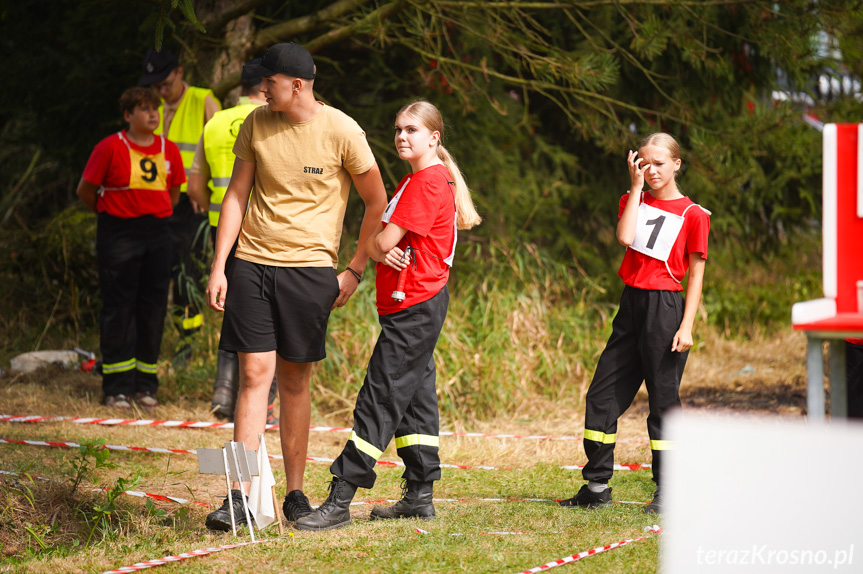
x=415, y=242
x=665, y=234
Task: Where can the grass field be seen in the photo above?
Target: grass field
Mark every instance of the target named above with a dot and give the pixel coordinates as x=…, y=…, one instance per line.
x=44, y=528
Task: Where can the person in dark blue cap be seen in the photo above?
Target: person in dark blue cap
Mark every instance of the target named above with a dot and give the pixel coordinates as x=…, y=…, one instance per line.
x=184, y=111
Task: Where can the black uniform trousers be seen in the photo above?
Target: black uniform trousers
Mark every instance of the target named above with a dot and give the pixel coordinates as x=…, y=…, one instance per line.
x=188, y=231
x=398, y=398
x=134, y=257
x=639, y=349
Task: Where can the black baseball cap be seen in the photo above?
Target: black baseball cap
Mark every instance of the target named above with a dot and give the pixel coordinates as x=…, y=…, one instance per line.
x=288, y=58
x=157, y=66
x=249, y=79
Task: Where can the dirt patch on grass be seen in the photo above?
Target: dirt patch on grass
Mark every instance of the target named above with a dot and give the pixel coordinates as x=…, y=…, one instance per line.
x=764, y=375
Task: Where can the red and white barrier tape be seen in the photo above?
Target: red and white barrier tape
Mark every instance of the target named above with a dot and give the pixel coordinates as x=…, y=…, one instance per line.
x=137, y=493
x=117, y=422
x=421, y=531
x=161, y=497
x=186, y=451
x=179, y=500
x=280, y=457
x=25, y=475
x=107, y=446
x=566, y=560
x=204, y=424
x=183, y=556
x=491, y=500
x=616, y=467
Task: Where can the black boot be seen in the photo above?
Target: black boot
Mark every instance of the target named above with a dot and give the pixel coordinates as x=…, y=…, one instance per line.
x=416, y=502
x=586, y=498
x=335, y=512
x=655, y=506
x=225, y=388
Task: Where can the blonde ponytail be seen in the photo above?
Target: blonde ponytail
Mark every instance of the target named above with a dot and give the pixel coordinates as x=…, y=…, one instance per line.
x=430, y=117
x=467, y=216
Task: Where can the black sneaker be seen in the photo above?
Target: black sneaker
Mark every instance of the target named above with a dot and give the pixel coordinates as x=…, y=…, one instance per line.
x=586, y=498
x=296, y=506
x=655, y=506
x=221, y=519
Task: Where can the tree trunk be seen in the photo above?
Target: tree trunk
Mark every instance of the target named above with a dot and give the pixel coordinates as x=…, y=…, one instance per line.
x=209, y=58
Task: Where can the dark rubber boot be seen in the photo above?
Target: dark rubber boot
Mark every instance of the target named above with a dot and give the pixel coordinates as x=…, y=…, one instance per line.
x=416, y=502
x=225, y=388
x=335, y=512
x=272, y=419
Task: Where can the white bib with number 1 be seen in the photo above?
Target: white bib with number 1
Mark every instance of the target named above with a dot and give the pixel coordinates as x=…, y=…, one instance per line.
x=656, y=231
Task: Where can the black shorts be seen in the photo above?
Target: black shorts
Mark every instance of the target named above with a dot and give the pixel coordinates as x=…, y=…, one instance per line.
x=282, y=309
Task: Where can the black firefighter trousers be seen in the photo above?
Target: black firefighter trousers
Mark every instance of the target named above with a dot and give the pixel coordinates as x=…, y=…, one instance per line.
x=398, y=398
x=639, y=349
x=134, y=257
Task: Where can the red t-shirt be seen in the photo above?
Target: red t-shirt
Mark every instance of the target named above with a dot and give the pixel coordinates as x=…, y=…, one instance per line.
x=110, y=166
x=645, y=272
x=426, y=209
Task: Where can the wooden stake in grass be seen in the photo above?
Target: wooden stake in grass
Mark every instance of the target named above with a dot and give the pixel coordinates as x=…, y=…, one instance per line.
x=278, y=514
x=230, y=497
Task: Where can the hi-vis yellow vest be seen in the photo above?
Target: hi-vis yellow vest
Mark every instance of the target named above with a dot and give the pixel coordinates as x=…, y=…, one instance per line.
x=187, y=125
x=220, y=133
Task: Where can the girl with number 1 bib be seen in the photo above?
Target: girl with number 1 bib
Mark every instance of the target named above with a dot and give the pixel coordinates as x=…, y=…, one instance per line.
x=665, y=234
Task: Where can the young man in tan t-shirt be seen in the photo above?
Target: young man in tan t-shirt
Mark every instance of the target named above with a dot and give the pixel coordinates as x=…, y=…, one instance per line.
x=301, y=157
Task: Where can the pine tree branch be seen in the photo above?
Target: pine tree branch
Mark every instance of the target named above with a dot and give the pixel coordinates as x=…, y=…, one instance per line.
x=545, y=88
x=333, y=36
x=627, y=55
x=217, y=22
x=296, y=26
x=292, y=28
x=513, y=41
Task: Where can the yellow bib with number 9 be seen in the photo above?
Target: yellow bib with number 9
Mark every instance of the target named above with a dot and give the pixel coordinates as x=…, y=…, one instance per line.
x=148, y=172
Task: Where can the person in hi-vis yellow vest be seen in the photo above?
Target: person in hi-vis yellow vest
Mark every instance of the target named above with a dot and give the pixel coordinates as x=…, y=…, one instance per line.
x=209, y=176
x=184, y=111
